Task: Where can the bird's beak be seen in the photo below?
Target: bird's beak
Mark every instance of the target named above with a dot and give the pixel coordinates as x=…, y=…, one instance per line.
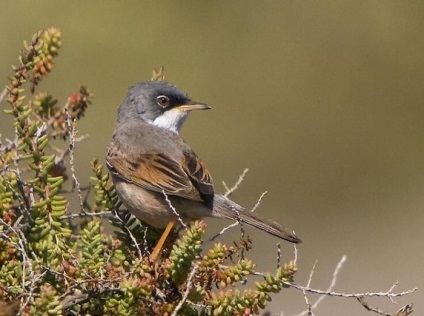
x=193, y=106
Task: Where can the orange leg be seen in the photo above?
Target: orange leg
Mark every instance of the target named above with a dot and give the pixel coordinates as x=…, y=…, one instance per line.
x=155, y=253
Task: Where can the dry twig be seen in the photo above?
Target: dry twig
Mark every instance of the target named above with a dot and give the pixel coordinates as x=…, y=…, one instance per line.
x=358, y=296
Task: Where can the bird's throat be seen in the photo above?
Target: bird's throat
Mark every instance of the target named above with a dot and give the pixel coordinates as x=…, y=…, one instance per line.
x=171, y=120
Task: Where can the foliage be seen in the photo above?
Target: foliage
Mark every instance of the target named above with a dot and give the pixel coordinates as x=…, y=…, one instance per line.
x=60, y=260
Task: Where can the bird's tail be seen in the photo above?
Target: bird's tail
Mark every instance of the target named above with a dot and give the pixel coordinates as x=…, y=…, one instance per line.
x=224, y=207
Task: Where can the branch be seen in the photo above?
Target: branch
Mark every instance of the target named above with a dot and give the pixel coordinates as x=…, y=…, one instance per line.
x=180, y=220
x=187, y=291
x=229, y=191
x=72, y=136
x=359, y=296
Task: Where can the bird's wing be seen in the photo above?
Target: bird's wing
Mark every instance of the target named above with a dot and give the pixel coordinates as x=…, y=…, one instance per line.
x=158, y=172
x=199, y=176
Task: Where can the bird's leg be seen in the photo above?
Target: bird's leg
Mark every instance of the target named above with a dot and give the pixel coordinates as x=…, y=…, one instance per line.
x=155, y=253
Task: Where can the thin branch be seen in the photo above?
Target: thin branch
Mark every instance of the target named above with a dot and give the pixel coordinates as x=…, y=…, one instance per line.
x=311, y=274
x=78, y=297
x=229, y=191
x=310, y=312
x=134, y=241
x=187, y=291
x=239, y=221
x=21, y=245
x=236, y=223
x=3, y=94
x=180, y=220
x=222, y=232
x=329, y=289
x=389, y=295
x=405, y=310
x=259, y=201
x=72, y=137
x=278, y=255
x=362, y=301
x=85, y=214
x=295, y=253
x=146, y=249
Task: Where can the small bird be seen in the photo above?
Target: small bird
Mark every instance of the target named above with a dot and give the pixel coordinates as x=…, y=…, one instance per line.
x=153, y=168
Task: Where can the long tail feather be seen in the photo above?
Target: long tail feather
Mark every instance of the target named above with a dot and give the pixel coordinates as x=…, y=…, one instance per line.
x=226, y=208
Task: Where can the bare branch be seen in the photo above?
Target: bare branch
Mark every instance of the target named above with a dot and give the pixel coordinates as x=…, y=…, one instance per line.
x=21, y=244
x=259, y=201
x=278, y=255
x=3, y=94
x=222, y=232
x=362, y=301
x=359, y=296
x=85, y=214
x=180, y=220
x=332, y=284
x=130, y=234
x=295, y=253
x=229, y=191
x=187, y=291
x=72, y=136
x=405, y=310
x=310, y=312
x=388, y=294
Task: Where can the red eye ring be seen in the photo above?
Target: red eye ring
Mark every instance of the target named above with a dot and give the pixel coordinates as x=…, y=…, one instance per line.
x=162, y=101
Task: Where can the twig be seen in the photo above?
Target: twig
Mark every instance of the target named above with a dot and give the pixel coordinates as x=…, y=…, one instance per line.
x=187, y=291
x=116, y=215
x=3, y=94
x=85, y=214
x=278, y=255
x=311, y=274
x=259, y=201
x=72, y=136
x=27, y=263
x=295, y=253
x=146, y=250
x=62, y=153
x=222, y=232
x=361, y=300
x=388, y=294
x=405, y=310
x=329, y=289
x=174, y=210
x=239, y=220
x=229, y=191
x=80, y=297
x=310, y=312
x=26, y=205
x=236, y=223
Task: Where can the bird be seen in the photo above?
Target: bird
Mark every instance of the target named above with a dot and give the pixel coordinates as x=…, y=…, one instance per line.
x=156, y=174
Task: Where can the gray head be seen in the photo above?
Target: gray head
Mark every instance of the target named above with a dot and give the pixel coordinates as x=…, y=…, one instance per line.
x=158, y=103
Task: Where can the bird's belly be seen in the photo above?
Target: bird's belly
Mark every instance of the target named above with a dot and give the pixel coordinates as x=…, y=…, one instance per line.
x=152, y=207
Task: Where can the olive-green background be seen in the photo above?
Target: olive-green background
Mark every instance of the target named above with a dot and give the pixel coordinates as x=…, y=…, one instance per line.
x=321, y=100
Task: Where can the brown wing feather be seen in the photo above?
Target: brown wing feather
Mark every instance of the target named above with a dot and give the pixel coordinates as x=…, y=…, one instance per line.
x=157, y=172
x=200, y=177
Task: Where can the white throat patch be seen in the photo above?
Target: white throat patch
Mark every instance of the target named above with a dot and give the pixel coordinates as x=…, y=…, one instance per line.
x=171, y=120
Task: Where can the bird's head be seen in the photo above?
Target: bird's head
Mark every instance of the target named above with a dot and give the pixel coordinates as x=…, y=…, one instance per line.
x=158, y=103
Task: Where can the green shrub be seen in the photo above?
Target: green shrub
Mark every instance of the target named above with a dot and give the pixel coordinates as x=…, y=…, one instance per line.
x=55, y=260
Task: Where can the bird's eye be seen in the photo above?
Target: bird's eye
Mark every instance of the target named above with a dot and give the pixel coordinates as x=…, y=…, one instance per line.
x=162, y=100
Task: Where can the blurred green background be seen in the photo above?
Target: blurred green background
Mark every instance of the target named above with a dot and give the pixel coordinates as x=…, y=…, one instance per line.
x=321, y=100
